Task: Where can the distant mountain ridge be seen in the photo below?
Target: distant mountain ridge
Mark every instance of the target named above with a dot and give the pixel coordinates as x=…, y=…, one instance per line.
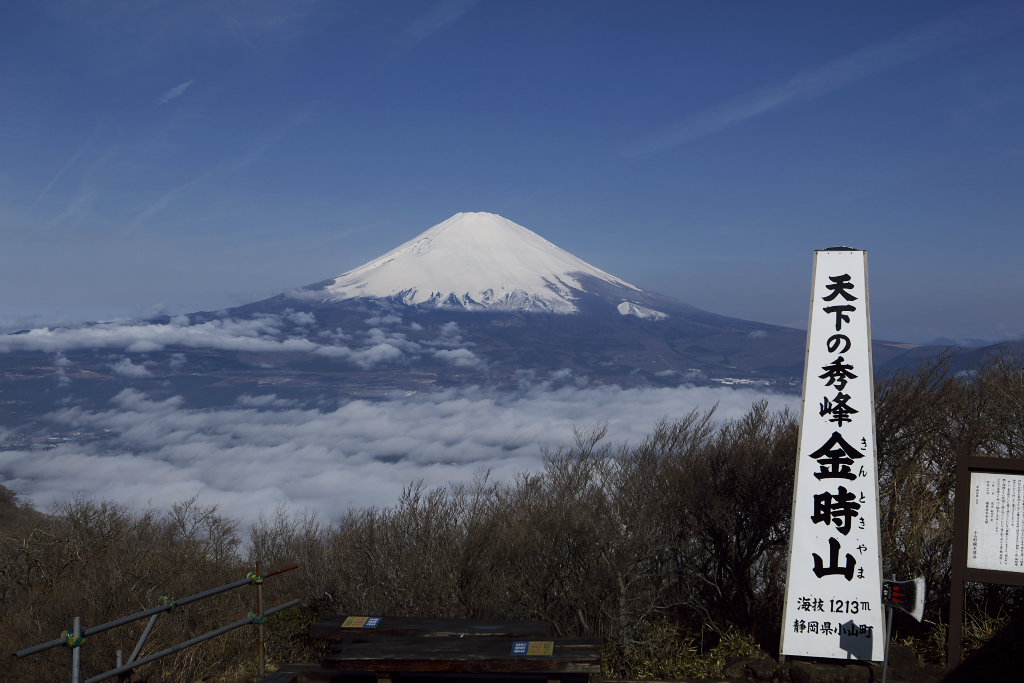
x=474, y=300
x=523, y=304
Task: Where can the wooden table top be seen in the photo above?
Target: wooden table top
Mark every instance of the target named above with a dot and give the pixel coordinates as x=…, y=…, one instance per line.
x=493, y=654
x=344, y=628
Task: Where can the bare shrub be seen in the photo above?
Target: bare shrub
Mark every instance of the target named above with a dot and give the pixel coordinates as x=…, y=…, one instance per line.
x=99, y=562
x=672, y=550
x=925, y=420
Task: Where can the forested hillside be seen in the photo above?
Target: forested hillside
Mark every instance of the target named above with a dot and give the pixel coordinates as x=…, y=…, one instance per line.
x=672, y=550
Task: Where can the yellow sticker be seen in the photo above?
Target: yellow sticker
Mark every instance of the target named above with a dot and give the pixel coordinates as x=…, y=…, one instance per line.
x=541, y=647
x=354, y=622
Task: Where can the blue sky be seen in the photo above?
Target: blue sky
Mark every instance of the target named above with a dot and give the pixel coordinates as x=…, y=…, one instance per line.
x=194, y=155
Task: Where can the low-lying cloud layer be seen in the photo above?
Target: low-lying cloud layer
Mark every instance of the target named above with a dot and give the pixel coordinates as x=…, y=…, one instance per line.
x=265, y=450
x=289, y=332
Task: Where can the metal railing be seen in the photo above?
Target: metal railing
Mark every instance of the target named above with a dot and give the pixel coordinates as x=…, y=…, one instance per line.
x=76, y=637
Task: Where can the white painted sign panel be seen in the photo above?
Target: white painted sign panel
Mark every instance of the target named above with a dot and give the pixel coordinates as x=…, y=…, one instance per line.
x=834, y=585
x=995, y=527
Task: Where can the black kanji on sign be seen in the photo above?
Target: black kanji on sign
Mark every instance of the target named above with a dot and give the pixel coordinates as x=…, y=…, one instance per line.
x=840, y=285
x=835, y=457
x=838, y=373
x=845, y=571
x=840, y=312
x=838, y=408
x=836, y=508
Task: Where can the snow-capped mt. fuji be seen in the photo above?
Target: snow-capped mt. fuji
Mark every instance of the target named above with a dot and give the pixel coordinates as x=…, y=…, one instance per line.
x=478, y=261
x=474, y=301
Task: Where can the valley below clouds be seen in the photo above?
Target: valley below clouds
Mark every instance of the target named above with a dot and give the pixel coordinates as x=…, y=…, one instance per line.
x=266, y=451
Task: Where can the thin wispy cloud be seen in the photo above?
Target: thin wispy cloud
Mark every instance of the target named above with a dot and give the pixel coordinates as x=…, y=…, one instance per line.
x=264, y=144
x=969, y=25
x=255, y=21
x=63, y=169
x=237, y=30
x=441, y=15
x=175, y=92
x=79, y=208
x=252, y=156
x=164, y=201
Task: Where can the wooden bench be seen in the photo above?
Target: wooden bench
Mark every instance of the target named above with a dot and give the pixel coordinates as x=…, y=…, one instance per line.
x=387, y=649
x=561, y=659
x=342, y=629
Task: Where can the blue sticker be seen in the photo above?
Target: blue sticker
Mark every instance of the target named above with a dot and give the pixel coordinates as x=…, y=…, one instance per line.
x=520, y=647
x=372, y=622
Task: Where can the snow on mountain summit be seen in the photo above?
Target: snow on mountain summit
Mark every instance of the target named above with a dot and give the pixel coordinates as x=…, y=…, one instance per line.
x=475, y=261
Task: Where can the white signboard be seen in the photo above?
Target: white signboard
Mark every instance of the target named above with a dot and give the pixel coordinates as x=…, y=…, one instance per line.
x=995, y=527
x=834, y=586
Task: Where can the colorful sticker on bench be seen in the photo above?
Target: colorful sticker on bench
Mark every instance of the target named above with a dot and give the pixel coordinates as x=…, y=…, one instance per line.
x=533, y=647
x=361, y=622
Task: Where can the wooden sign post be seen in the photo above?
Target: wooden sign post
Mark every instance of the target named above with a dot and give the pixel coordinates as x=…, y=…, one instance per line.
x=988, y=533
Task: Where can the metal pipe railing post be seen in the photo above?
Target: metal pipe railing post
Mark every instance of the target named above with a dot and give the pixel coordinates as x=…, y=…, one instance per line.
x=888, y=639
x=259, y=622
x=76, y=650
x=149, y=612
x=145, y=635
x=188, y=643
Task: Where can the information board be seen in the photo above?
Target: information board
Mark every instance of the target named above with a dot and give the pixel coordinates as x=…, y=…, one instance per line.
x=988, y=518
x=995, y=527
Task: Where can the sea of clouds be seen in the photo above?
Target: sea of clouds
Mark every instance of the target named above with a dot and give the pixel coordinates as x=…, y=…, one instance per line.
x=385, y=340
x=266, y=451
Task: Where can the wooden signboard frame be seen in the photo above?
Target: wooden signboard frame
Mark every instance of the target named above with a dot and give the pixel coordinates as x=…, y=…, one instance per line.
x=961, y=573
